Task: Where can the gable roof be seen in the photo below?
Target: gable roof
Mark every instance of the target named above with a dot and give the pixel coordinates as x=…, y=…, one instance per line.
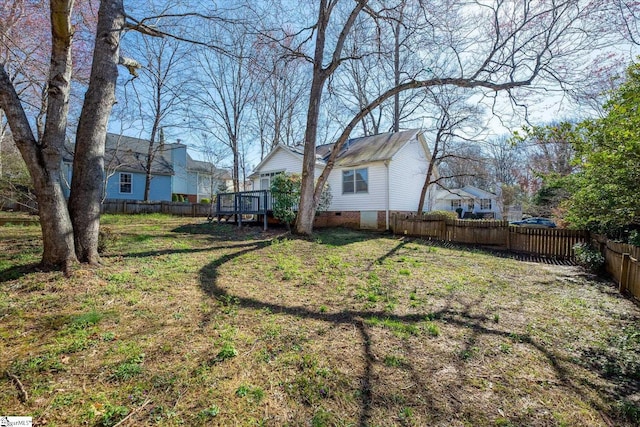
x=478, y=192
x=294, y=151
x=356, y=151
x=466, y=192
x=129, y=154
x=367, y=149
x=453, y=194
x=206, y=168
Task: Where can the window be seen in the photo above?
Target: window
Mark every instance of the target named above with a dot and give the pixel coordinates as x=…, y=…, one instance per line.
x=455, y=204
x=470, y=205
x=355, y=181
x=126, y=183
x=265, y=179
x=485, y=204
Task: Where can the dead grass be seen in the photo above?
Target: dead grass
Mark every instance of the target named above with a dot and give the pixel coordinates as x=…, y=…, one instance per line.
x=196, y=324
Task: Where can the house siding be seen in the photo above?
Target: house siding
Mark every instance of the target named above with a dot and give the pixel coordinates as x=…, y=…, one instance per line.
x=407, y=172
x=281, y=160
x=179, y=181
x=375, y=197
x=160, y=189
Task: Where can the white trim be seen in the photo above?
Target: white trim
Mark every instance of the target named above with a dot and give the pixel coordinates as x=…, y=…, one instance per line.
x=387, y=196
x=120, y=174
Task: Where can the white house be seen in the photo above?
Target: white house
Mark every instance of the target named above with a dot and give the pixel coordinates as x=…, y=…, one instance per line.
x=470, y=199
x=373, y=176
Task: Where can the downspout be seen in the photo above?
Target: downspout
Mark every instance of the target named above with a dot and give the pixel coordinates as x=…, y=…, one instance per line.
x=387, y=196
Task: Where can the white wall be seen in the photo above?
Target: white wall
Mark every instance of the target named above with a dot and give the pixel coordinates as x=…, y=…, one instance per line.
x=373, y=199
x=407, y=172
x=281, y=160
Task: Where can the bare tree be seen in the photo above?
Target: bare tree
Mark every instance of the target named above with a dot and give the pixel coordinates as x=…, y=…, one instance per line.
x=494, y=46
x=223, y=91
x=158, y=92
x=455, y=125
x=70, y=232
x=506, y=160
x=279, y=94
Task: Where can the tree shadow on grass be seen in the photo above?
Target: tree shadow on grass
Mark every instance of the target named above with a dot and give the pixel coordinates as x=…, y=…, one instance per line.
x=479, y=325
x=18, y=271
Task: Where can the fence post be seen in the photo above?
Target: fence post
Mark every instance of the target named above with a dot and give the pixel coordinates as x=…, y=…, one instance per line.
x=508, y=238
x=624, y=272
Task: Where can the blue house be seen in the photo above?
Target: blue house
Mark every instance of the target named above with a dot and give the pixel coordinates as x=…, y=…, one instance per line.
x=173, y=172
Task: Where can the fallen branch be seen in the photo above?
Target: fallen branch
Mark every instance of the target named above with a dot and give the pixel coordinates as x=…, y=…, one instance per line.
x=24, y=396
x=135, y=411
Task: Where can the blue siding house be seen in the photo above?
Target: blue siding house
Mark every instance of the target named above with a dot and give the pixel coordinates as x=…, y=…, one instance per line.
x=173, y=171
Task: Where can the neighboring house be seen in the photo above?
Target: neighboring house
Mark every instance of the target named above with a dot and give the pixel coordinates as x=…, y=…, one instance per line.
x=173, y=171
x=470, y=199
x=373, y=177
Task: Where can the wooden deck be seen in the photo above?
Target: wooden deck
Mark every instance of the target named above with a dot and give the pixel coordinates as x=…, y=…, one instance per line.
x=239, y=204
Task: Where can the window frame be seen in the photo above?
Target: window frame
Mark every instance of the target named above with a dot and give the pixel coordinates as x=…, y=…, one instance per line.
x=483, y=205
x=268, y=176
x=122, y=183
x=353, y=183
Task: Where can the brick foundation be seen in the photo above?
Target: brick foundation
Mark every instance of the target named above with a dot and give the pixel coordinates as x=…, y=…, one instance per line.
x=349, y=219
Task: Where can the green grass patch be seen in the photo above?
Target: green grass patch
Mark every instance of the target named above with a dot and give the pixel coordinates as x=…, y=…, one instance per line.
x=192, y=323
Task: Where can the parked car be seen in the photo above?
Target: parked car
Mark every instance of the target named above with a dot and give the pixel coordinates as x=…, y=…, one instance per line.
x=535, y=222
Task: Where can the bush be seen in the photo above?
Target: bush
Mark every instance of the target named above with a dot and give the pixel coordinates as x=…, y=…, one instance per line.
x=205, y=200
x=285, y=190
x=105, y=239
x=634, y=238
x=440, y=215
x=588, y=257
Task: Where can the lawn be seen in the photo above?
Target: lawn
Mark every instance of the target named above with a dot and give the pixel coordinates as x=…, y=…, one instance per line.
x=188, y=323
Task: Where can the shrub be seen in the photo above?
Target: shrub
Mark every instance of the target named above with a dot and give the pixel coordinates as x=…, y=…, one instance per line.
x=205, y=200
x=588, y=257
x=286, y=194
x=105, y=239
x=440, y=215
x=634, y=238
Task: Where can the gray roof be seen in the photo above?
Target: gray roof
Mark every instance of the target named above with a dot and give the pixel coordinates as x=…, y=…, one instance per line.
x=368, y=149
x=206, y=167
x=129, y=154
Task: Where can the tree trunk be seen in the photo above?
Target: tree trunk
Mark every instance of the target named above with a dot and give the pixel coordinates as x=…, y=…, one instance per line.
x=151, y=153
x=307, y=207
x=236, y=165
x=88, y=165
x=43, y=158
x=427, y=180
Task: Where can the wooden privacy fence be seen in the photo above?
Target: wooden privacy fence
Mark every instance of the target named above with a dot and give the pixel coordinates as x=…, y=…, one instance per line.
x=172, y=208
x=621, y=261
x=549, y=242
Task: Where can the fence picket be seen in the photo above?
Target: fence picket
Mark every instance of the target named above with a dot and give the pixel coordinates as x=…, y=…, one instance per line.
x=556, y=243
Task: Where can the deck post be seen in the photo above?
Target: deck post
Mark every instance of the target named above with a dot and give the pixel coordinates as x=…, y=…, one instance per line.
x=265, y=209
x=218, y=207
